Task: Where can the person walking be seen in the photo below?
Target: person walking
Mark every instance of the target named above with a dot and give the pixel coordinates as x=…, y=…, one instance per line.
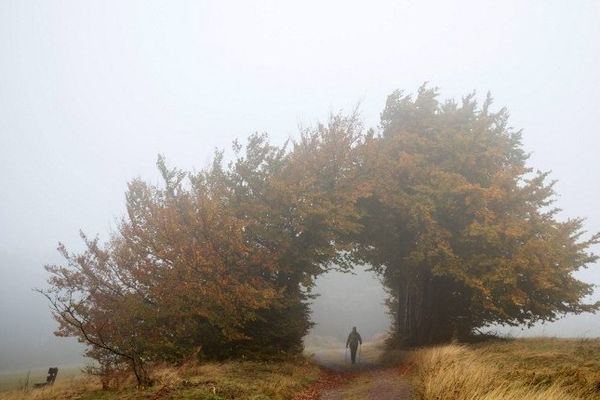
x=353, y=341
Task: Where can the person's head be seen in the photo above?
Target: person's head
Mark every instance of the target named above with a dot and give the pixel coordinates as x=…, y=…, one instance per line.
x=353, y=329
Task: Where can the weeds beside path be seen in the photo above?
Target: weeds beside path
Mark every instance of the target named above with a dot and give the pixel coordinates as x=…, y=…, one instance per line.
x=524, y=369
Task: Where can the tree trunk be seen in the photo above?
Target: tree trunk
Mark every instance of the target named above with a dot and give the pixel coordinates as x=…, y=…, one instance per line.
x=420, y=315
x=403, y=313
x=141, y=375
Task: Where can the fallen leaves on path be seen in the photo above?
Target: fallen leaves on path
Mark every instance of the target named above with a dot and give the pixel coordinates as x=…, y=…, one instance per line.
x=327, y=381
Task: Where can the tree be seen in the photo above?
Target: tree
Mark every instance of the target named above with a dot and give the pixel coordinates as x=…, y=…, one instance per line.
x=178, y=278
x=300, y=205
x=221, y=263
x=459, y=226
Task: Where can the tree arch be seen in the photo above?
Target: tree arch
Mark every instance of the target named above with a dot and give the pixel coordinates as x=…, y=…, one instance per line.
x=220, y=263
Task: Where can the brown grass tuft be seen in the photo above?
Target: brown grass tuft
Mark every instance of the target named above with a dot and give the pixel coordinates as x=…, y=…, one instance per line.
x=532, y=369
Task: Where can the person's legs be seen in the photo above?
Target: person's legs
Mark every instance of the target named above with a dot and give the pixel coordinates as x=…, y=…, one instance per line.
x=353, y=353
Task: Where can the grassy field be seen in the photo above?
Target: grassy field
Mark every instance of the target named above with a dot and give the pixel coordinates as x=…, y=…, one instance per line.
x=239, y=380
x=10, y=380
x=524, y=369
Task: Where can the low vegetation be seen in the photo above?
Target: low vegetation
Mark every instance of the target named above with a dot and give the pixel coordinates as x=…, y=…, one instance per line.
x=210, y=381
x=523, y=369
x=548, y=369
x=27, y=378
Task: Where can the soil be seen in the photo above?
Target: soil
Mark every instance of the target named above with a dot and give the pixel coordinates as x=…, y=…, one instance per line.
x=379, y=384
x=368, y=379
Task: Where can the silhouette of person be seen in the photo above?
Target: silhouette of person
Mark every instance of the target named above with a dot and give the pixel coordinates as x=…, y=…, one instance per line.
x=353, y=340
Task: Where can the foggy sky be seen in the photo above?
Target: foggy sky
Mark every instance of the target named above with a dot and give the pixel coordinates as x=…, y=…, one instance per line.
x=92, y=91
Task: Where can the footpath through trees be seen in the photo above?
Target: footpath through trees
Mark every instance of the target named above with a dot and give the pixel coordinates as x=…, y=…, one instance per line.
x=220, y=263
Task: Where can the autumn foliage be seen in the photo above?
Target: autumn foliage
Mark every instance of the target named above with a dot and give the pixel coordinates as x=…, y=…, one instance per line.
x=461, y=229
x=220, y=263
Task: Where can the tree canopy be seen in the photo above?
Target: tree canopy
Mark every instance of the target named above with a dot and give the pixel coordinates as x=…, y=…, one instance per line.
x=462, y=230
x=220, y=263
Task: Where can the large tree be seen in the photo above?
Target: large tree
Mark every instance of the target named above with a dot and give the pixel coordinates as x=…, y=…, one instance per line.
x=299, y=204
x=461, y=229
x=220, y=263
x=178, y=278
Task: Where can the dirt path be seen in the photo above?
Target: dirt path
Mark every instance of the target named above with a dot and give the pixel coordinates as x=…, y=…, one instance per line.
x=377, y=384
x=366, y=380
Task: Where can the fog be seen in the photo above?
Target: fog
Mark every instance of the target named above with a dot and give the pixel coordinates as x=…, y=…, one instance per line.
x=91, y=92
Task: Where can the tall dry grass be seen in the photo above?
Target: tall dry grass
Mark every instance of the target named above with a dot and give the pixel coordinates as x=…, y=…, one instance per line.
x=72, y=388
x=542, y=369
x=211, y=381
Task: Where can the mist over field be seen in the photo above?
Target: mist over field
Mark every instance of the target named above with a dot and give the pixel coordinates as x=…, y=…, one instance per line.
x=91, y=92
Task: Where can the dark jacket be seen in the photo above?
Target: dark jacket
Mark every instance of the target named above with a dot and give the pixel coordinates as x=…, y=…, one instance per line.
x=353, y=339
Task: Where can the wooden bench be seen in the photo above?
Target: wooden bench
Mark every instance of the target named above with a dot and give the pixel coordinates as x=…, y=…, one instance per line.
x=52, y=372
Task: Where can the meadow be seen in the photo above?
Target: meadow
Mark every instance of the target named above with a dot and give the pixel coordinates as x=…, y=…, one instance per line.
x=520, y=369
x=20, y=379
x=532, y=369
x=211, y=381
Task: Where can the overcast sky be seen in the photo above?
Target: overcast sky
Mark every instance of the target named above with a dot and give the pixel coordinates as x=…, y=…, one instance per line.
x=92, y=91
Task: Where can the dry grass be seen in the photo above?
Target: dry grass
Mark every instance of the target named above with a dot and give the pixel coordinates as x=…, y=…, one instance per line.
x=239, y=380
x=532, y=369
x=20, y=379
x=71, y=388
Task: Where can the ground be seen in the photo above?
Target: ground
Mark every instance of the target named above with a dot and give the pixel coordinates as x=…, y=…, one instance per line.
x=527, y=369
x=212, y=381
x=380, y=384
x=524, y=369
x=371, y=378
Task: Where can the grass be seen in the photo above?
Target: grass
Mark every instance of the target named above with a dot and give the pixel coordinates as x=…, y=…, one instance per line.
x=239, y=380
x=523, y=369
x=18, y=379
x=544, y=369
